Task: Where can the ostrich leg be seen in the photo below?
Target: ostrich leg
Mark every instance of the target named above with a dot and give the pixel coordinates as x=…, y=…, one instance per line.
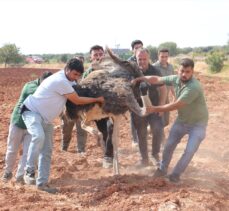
x=115, y=140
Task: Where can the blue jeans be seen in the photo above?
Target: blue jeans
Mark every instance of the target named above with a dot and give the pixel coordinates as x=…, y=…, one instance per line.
x=196, y=134
x=40, y=148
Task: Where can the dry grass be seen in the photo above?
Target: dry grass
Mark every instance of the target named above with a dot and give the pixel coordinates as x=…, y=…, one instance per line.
x=202, y=67
x=46, y=65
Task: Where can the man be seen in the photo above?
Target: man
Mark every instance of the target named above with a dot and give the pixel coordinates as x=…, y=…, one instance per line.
x=157, y=95
x=166, y=69
x=67, y=127
x=192, y=117
x=135, y=45
x=105, y=126
x=18, y=133
x=39, y=111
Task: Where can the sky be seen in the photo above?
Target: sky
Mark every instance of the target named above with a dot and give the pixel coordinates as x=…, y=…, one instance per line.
x=73, y=26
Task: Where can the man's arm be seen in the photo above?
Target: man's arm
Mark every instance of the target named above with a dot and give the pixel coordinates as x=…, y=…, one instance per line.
x=76, y=99
x=173, y=93
x=167, y=107
x=149, y=79
x=163, y=94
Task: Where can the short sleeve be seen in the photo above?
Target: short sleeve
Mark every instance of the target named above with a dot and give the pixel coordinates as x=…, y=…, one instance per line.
x=169, y=80
x=64, y=88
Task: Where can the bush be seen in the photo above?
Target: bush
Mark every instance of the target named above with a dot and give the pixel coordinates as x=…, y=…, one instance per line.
x=153, y=53
x=215, y=62
x=10, y=55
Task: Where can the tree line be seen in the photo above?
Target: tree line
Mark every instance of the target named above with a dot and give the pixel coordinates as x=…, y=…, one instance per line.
x=10, y=54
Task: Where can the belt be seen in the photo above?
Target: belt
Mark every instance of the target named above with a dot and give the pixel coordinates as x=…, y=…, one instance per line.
x=23, y=108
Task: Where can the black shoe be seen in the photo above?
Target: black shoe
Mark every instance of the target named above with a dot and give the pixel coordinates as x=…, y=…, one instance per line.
x=47, y=188
x=29, y=177
x=64, y=148
x=6, y=176
x=20, y=179
x=174, y=178
x=159, y=173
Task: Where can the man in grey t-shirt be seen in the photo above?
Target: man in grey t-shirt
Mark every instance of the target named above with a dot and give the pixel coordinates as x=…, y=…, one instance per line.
x=166, y=69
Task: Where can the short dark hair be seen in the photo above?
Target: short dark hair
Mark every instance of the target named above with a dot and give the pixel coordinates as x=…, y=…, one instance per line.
x=96, y=47
x=186, y=62
x=44, y=75
x=80, y=57
x=163, y=50
x=74, y=64
x=135, y=42
x=143, y=50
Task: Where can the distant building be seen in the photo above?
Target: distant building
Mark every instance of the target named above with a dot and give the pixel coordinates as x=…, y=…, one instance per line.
x=120, y=51
x=34, y=59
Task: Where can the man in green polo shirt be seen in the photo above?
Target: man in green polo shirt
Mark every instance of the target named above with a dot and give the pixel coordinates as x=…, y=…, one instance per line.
x=18, y=133
x=192, y=117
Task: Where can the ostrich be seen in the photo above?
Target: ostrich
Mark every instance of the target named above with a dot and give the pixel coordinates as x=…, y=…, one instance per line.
x=112, y=79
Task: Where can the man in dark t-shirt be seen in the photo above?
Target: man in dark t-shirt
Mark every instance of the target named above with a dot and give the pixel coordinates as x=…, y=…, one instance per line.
x=157, y=95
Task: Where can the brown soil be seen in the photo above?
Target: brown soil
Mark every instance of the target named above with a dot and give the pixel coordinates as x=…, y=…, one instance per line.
x=85, y=185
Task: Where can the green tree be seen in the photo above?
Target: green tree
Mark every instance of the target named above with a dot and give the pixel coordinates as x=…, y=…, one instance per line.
x=215, y=61
x=153, y=51
x=171, y=46
x=185, y=50
x=10, y=55
x=64, y=58
x=125, y=56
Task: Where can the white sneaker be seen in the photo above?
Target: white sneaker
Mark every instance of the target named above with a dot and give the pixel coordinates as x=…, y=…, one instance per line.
x=29, y=178
x=134, y=146
x=107, y=162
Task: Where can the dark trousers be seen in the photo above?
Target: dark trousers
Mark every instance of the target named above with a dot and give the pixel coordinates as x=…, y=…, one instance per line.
x=66, y=130
x=105, y=126
x=156, y=125
x=133, y=129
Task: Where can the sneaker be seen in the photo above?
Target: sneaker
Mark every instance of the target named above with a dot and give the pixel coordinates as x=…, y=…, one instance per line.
x=29, y=177
x=47, y=188
x=6, y=176
x=155, y=160
x=142, y=163
x=107, y=162
x=20, y=179
x=174, y=178
x=82, y=154
x=64, y=148
x=134, y=145
x=159, y=173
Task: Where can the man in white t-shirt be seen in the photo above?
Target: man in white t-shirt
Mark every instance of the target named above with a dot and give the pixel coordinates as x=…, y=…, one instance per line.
x=39, y=111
